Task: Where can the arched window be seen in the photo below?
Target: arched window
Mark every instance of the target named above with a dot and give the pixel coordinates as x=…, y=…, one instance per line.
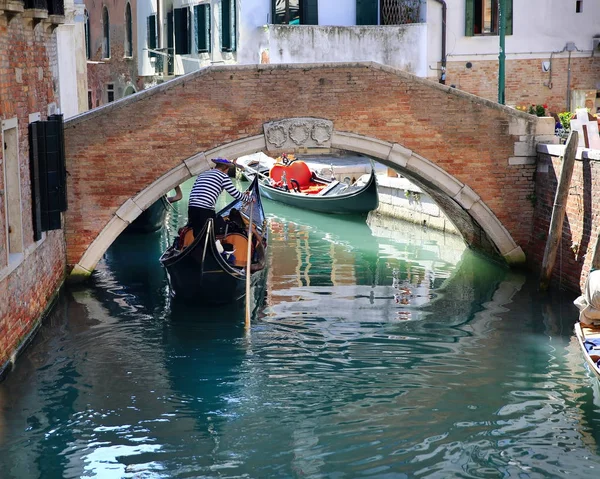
x=86, y=26
x=106, y=37
x=128, y=32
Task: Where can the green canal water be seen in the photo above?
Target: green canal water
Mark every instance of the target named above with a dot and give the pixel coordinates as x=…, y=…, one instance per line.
x=380, y=352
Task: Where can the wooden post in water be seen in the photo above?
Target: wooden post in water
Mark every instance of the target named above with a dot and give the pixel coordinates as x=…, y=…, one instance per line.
x=558, y=210
x=249, y=266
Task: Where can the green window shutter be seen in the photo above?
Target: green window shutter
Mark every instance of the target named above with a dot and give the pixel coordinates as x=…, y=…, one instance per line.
x=469, y=17
x=228, y=25
x=152, y=34
x=202, y=16
x=309, y=12
x=36, y=151
x=366, y=12
x=170, y=49
x=509, y=17
x=182, y=46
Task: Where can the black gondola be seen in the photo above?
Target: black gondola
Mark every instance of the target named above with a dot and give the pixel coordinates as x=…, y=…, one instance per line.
x=151, y=219
x=211, y=268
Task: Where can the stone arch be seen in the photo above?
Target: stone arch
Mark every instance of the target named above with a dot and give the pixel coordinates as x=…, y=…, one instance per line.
x=455, y=196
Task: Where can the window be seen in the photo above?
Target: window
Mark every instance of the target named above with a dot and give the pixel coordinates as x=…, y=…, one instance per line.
x=86, y=27
x=128, y=48
x=90, y=101
x=182, y=31
x=202, y=19
x=106, y=37
x=152, y=35
x=110, y=92
x=228, y=26
x=579, y=6
x=481, y=17
x=12, y=192
x=299, y=12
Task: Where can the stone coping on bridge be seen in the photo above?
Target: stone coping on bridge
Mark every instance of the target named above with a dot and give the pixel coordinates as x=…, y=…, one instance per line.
x=182, y=80
x=559, y=150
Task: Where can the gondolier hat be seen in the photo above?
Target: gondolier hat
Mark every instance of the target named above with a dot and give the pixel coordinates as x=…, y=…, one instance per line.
x=222, y=161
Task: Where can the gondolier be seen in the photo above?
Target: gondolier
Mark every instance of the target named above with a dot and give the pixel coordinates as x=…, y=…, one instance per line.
x=207, y=188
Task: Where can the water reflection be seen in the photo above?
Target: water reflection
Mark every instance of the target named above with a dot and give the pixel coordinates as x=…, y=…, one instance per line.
x=475, y=376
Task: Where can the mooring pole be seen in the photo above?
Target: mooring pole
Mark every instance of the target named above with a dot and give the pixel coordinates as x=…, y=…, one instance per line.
x=558, y=210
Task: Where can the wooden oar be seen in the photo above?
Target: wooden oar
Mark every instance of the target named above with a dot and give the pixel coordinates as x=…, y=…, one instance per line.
x=248, y=265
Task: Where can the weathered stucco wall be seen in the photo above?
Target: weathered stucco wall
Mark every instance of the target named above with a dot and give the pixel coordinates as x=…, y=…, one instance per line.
x=399, y=46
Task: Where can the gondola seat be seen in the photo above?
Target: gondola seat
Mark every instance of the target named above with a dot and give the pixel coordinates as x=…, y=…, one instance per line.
x=239, y=243
x=297, y=174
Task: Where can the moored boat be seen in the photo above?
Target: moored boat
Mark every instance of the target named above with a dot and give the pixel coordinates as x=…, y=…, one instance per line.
x=587, y=329
x=151, y=219
x=293, y=183
x=211, y=267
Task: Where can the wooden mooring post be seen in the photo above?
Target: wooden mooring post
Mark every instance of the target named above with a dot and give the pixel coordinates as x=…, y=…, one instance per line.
x=558, y=210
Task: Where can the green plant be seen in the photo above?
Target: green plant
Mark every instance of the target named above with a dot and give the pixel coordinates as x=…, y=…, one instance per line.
x=532, y=198
x=565, y=119
x=537, y=110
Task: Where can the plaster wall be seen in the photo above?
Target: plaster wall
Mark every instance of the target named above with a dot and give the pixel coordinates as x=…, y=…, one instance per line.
x=539, y=27
x=144, y=8
x=401, y=46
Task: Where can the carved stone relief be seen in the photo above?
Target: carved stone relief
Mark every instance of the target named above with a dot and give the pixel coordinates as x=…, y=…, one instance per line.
x=295, y=133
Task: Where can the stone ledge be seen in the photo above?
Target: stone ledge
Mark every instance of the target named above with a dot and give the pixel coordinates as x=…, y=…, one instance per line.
x=559, y=150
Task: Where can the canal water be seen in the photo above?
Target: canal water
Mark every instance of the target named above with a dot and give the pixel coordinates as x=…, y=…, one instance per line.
x=382, y=351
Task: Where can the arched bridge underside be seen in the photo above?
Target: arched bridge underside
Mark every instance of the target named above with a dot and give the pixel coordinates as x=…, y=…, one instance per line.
x=474, y=157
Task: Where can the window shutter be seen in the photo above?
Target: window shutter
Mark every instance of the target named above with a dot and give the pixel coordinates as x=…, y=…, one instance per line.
x=366, y=12
x=202, y=15
x=182, y=46
x=469, y=17
x=310, y=12
x=509, y=17
x=170, y=49
x=152, y=34
x=36, y=149
x=48, y=174
x=228, y=26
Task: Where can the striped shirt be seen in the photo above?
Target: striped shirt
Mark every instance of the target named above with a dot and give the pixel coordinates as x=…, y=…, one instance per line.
x=208, y=186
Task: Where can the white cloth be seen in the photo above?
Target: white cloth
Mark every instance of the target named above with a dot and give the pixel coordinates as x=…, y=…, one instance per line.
x=589, y=302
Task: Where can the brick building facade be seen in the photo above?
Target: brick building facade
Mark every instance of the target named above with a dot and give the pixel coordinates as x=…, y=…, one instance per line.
x=31, y=271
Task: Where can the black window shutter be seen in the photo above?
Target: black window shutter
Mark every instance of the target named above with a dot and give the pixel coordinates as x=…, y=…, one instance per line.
x=182, y=44
x=55, y=171
x=171, y=64
x=202, y=15
x=152, y=34
x=228, y=26
x=469, y=17
x=509, y=17
x=310, y=12
x=48, y=174
x=366, y=12
x=36, y=150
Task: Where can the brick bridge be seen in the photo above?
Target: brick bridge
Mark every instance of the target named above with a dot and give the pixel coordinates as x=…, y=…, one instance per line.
x=474, y=157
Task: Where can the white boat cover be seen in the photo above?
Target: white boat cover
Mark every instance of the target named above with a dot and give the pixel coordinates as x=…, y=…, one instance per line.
x=589, y=302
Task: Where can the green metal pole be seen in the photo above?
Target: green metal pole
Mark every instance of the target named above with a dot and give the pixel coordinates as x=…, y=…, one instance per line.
x=502, y=54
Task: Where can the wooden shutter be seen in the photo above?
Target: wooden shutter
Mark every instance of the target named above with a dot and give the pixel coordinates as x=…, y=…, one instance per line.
x=469, y=17
x=48, y=174
x=509, y=17
x=366, y=12
x=228, y=25
x=152, y=34
x=36, y=149
x=309, y=12
x=170, y=43
x=182, y=43
x=202, y=16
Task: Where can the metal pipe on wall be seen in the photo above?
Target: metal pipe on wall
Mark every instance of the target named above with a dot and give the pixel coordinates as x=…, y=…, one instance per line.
x=444, y=12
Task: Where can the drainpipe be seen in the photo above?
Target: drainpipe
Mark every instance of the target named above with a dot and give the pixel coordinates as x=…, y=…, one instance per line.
x=444, y=9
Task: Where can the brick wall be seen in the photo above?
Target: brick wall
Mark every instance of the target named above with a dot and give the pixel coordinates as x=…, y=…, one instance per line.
x=28, y=84
x=116, y=152
x=526, y=83
x=580, y=227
